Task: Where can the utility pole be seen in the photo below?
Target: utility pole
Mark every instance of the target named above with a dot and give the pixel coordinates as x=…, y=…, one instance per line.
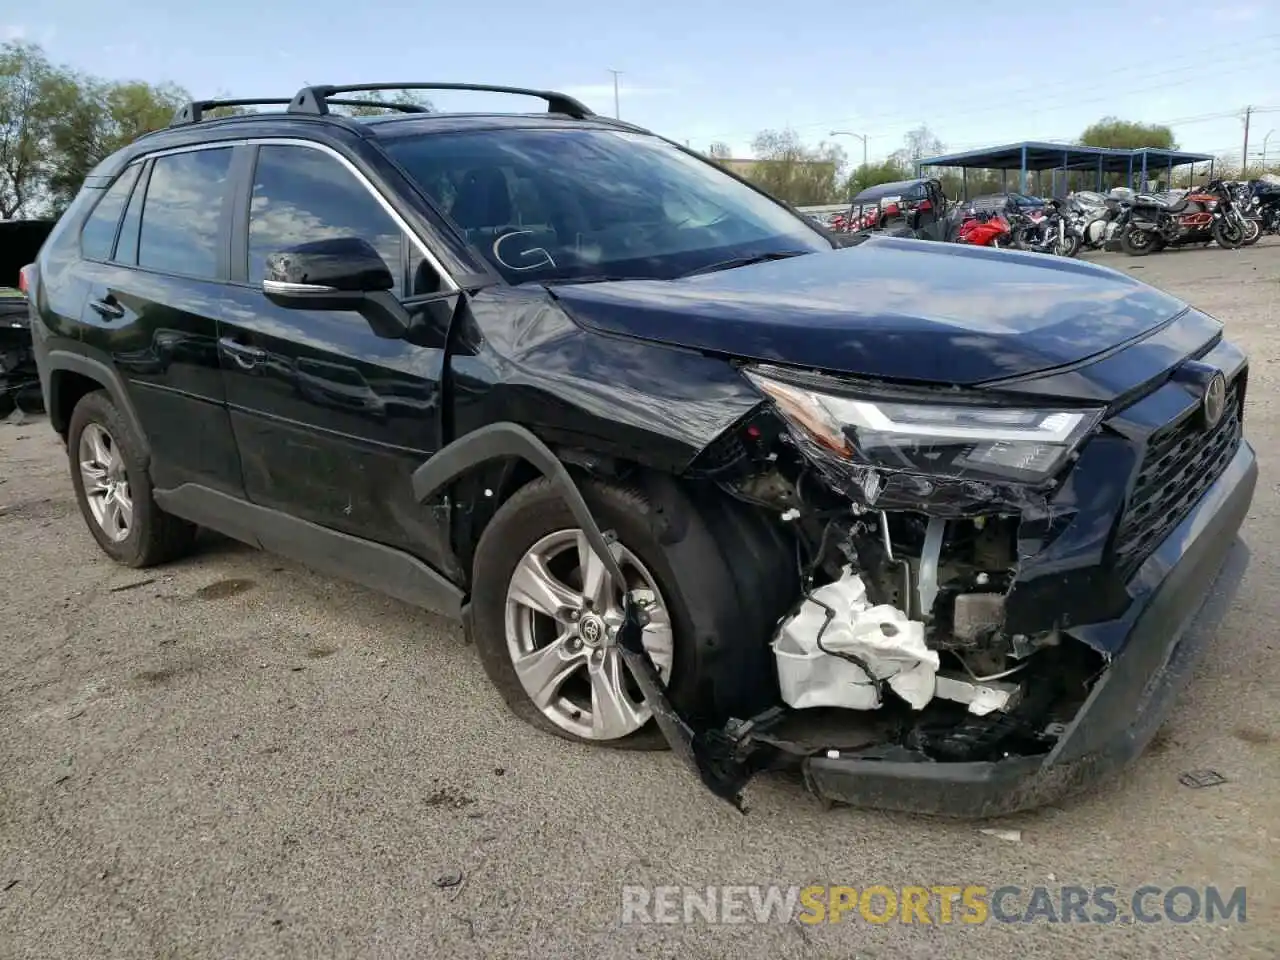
x=1244, y=156
x=616, y=114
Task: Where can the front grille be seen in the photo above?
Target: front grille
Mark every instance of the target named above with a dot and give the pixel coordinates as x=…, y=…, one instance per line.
x=1182, y=462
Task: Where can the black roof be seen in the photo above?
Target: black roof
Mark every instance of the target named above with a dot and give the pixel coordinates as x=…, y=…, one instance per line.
x=1048, y=156
x=882, y=190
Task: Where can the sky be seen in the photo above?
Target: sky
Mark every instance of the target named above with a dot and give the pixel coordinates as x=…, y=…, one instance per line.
x=700, y=71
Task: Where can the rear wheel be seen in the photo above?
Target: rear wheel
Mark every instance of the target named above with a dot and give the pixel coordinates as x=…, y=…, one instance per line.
x=1137, y=243
x=113, y=488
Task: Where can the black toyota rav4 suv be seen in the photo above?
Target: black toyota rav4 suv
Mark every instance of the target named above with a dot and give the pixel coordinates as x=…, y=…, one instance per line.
x=935, y=525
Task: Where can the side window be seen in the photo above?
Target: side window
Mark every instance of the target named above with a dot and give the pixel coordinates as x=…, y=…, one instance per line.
x=301, y=195
x=183, y=213
x=99, y=233
x=127, y=245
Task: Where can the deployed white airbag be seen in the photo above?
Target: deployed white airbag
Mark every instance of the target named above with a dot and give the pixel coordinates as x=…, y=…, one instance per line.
x=838, y=617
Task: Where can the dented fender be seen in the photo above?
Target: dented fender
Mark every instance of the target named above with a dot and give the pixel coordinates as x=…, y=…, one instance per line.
x=499, y=440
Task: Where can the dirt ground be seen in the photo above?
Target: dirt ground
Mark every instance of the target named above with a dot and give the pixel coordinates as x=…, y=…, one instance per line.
x=235, y=757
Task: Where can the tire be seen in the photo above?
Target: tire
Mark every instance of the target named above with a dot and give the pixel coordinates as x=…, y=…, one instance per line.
x=1252, y=232
x=533, y=515
x=1070, y=246
x=1227, y=235
x=1140, y=248
x=151, y=536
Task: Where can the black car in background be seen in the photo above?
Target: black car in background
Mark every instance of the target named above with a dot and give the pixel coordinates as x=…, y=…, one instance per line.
x=20, y=240
x=932, y=523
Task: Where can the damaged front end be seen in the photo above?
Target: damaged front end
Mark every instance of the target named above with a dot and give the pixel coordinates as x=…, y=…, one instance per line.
x=929, y=663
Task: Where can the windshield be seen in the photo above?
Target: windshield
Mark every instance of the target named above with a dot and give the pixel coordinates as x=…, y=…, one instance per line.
x=544, y=205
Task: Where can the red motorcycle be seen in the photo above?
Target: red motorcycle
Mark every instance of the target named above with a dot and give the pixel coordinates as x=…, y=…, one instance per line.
x=990, y=230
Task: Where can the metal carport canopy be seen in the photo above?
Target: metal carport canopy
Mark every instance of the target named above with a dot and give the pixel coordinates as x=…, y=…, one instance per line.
x=1039, y=155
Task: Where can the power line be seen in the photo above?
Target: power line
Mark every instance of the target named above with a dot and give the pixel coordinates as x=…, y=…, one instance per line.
x=1068, y=91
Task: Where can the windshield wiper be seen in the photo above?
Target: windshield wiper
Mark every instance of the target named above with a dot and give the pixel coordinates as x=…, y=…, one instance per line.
x=592, y=278
x=745, y=261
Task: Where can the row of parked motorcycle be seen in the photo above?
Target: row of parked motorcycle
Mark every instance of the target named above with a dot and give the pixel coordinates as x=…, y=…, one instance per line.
x=1229, y=213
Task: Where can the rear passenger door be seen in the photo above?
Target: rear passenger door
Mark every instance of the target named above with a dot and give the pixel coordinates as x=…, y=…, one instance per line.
x=329, y=418
x=155, y=258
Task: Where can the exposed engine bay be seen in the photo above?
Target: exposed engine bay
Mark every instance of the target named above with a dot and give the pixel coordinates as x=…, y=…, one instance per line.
x=900, y=628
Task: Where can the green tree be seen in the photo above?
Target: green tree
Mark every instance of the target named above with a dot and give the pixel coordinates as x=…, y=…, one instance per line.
x=1128, y=135
x=27, y=112
x=792, y=171
x=369, y=100
x=94, y=119
x=871, y=174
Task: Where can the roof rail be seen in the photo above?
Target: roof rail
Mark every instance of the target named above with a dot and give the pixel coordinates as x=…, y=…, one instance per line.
x=316, y=99
x=194, y=111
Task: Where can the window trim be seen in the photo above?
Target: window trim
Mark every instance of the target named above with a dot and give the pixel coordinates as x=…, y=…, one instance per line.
x=141, y=184
x=450, y=284
x=115, y=235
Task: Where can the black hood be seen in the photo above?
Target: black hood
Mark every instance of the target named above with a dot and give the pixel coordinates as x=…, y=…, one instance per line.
x=896, y=309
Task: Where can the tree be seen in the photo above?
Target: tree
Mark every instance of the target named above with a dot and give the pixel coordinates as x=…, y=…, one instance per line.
x=871, y=174
x=1128, y=135
x=920, y=143
x=369, y=100
x=96, y=118
x=26, y=116
x=792, y=171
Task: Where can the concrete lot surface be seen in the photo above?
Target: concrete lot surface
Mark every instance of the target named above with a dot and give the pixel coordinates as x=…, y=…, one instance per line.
x=235, y=757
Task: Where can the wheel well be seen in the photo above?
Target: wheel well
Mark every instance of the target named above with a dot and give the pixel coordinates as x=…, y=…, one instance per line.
x=479, y=493
x=66, y=388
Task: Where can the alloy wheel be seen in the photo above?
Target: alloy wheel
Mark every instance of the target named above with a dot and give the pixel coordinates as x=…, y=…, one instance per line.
x=106, y=482
x=562, y=617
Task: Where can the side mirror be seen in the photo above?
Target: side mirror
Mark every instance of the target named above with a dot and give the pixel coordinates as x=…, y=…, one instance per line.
x=345, y=273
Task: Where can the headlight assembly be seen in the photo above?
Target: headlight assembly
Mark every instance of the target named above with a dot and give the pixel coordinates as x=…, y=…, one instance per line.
x=1026, y=445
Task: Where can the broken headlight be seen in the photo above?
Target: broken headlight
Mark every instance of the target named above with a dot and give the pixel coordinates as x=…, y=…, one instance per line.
x=1027, y=445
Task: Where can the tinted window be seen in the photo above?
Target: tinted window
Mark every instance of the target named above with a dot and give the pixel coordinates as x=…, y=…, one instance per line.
x=301, y=195
x=183, y=212
x=127, y=245
x=99, y=233
x=561, y=204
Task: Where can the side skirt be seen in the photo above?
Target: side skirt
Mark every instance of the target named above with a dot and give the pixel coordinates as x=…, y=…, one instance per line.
x=374, y=565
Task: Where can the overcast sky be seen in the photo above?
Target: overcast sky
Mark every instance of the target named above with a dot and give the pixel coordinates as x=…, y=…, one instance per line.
x=700, y=71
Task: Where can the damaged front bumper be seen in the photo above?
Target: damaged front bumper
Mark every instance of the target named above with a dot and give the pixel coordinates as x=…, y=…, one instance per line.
x=1179, y=595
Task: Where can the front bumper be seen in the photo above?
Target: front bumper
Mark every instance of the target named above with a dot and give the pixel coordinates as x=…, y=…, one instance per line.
x=1187, y=585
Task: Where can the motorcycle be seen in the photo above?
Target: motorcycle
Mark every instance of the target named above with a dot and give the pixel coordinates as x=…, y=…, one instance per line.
x=1205, y=216
x=1049, y=230
x=1259, y=200
x=1100, y=224
x=985, y=230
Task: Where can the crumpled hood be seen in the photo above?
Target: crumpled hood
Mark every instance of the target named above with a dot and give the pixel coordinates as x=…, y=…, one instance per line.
x=890, y=308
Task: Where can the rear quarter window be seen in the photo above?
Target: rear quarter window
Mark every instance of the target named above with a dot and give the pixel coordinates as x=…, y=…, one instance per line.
x=98, y=237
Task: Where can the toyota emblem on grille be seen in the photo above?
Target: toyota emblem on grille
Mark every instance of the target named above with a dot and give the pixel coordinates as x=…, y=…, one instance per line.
x=1215, y=400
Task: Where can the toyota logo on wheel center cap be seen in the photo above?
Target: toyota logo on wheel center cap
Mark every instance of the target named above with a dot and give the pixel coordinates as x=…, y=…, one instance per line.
x=1215, y=400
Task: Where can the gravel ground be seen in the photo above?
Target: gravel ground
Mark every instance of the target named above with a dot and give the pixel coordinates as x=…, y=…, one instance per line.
x=234, y=757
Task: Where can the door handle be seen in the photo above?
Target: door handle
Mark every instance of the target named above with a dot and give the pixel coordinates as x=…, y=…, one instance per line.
x=246, y=356
x=108, y=308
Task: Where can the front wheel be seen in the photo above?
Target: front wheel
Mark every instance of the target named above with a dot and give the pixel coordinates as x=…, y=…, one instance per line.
x=1252, y=232
x=1227, y=233
x=546, y=615
x=1068, y=246
x=1137, y=243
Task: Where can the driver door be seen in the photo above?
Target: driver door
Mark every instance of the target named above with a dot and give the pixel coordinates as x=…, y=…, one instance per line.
x=330, y=419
